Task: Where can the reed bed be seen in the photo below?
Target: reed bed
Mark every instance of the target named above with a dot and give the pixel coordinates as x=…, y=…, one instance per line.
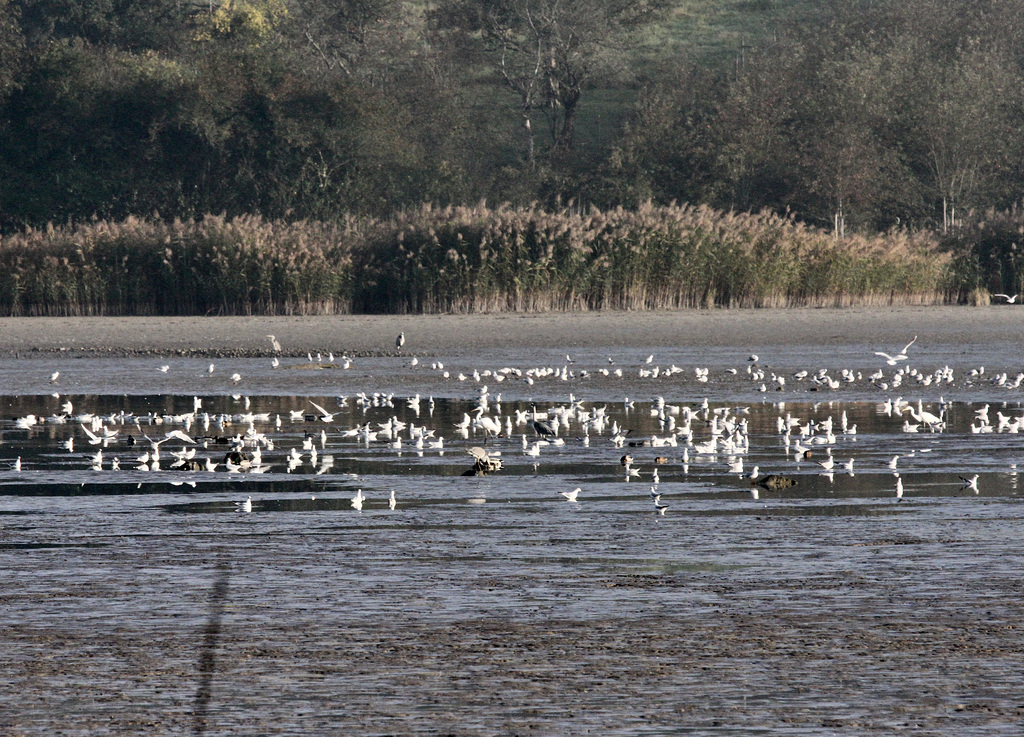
x=466, y=259
x=990, y=248
x=470, y=259
x=240, y=266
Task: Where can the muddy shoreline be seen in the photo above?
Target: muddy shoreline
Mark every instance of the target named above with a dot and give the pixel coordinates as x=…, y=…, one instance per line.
x=850, y=650
x=374, y=335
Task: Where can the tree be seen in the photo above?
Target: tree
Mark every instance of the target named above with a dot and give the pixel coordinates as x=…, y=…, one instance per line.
x=965, y=125
x=544, y=51
x=364, y=40
x=128, y=24
x=12, y=47
x=662, y=154
x=848, y=161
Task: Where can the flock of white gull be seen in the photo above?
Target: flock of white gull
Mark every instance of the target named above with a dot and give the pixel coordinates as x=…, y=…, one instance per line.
x=203, y=442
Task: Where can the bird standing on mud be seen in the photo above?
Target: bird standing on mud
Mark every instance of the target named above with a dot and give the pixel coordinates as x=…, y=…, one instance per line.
x=400, y=340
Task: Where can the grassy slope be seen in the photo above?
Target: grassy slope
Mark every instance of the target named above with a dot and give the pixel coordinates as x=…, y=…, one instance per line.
x=713, y=31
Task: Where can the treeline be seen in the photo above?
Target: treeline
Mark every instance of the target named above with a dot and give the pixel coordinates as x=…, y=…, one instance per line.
x=462, y=259
x=868, y=116
x=851, y=115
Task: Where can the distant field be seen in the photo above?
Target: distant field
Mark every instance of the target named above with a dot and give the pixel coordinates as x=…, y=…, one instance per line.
x=714, y=31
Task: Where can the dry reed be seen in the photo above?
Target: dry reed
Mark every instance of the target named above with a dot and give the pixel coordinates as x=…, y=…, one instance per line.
x=465, y=259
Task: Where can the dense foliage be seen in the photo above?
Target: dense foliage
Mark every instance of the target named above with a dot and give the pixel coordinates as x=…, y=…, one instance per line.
x=297, y=119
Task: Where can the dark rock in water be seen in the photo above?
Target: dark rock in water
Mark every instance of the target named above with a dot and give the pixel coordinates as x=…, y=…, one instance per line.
x=238, y=457
x=192, y=465
x=773, y=482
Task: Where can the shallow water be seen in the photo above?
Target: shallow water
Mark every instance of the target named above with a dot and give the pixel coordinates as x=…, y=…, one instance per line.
x=145, y=601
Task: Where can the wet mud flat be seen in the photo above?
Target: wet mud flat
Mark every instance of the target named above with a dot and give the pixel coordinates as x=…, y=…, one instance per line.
x=519, y=619
x=953, y=329
x=491, y=606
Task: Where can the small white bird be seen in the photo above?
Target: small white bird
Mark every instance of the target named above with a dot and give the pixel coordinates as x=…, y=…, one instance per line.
x=357, y=500
x=392, y=502
x=901, y=356
x=970, y=483
x=245, y=506
x=1009, y=300
x=210, y=370
x=400, y=340
x=899, y=488
x=164, y=369
x=662, y=508
x=892, y=463
x=53, y=377
x=178, y=435
x=236, y=377
x=570, y=496
x=17, y=464
x=324, y=414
